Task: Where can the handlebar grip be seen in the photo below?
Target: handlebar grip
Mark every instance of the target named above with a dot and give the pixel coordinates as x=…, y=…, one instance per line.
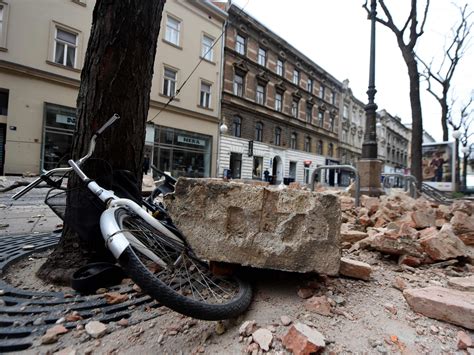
x=111, y=120
x=27, y=188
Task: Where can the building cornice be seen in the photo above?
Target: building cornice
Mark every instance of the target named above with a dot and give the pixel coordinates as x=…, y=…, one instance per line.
x=24, y=70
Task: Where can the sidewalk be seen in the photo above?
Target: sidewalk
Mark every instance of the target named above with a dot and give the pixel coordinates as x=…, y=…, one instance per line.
x=29, y=215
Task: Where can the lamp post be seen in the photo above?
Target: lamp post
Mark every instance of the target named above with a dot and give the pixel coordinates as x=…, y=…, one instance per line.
x=222, y=130
x=456, y=135
x=370, y=168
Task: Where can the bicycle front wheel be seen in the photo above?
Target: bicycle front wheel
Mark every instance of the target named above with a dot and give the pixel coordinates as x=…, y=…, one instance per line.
x=169, y=272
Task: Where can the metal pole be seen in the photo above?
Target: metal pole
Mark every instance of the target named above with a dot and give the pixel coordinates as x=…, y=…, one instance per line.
x=369, y=146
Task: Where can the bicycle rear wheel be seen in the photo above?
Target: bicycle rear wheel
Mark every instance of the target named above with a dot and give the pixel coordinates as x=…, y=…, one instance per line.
x=186, y=283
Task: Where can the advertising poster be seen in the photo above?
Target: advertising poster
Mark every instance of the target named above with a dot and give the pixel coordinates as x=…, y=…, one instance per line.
x=438, y=165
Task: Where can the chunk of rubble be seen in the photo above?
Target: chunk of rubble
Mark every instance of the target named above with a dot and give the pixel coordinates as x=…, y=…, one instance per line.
x=462, y=283
x=443, y=244
x=289, y=229
x=452, y=306
x=302, y=339
x=463, y=227
x=355, y=269
x=247, y=328
x=263, y=337
x=319, y=305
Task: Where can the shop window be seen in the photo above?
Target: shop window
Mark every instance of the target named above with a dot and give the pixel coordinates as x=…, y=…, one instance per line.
x=59, y=126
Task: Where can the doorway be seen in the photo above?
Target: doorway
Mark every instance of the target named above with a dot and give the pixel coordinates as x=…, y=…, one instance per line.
x=235, y=165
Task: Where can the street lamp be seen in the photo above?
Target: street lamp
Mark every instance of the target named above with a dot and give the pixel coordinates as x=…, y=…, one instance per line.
x=456, y=135
x=222, y=130
x=370, y=168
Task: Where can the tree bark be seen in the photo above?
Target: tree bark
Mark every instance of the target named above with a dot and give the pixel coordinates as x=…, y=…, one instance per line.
x=116, y=78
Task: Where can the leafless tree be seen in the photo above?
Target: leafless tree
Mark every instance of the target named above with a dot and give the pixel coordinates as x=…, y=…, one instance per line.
x=407, y=36
x=439, y=80
x=116, y=78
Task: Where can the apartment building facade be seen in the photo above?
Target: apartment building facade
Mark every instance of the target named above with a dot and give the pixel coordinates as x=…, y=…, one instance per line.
x=351, y=131
x=393, y=143
x=41, y=56
x=281, y=108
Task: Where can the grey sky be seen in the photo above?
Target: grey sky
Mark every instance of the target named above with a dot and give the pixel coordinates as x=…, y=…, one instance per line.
x=335, y=34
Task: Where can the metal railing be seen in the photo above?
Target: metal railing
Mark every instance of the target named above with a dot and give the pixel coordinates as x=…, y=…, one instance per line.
x=409, y=182
x=339, y=167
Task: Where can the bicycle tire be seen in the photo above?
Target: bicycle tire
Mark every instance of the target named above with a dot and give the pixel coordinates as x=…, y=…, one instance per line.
x=168, y=286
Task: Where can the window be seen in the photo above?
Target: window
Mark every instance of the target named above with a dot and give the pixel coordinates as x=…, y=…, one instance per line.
x=345, y=112
x=309, y=113
x=331, y=123
x=280, y=67
x=277, y=136
x=320, y=147
x=260, y=95
x=240, y=45
x=3, y=24
x=206, y=50
x=293, y=141
x=278, y=102
x=307, y=144
x=4, y=102
x=321, y=92
x=205, y=97
x=296, y=77
x=330, y=149
x=332, y=97
x=262, y=56
x=259, y=132
x=236, y=126
x=257, y=168
x=321, y=118
x=309, y=85
x=173, y=27
x=344, y=136
x=169, y=82
x=65, y=48
x=294, y=108
x=238, y=85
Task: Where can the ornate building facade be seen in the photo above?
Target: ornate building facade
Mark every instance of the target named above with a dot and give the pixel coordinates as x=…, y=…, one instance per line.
x=281, y=108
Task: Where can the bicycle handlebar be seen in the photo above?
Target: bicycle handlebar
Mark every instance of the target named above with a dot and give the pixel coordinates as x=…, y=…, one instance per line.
x=36, y=182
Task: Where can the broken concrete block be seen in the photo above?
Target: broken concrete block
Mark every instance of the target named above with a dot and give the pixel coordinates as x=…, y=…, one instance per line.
x=319, y=305
x=352, y=236
x=462, y=283
x=263, y=337
x=443, y=244
x=303, y=340
x=452, y=306
x=288, y=229
x=355, y=269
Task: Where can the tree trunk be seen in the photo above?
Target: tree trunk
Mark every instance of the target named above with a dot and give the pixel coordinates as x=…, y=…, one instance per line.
x=444, y=115
x=417, y=118
x=116, y=78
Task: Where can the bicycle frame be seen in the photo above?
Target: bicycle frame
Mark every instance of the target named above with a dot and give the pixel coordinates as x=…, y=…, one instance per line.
x=116, y=239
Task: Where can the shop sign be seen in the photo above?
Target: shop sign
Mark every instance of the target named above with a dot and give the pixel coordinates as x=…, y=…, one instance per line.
x=69, y=120
x=191, y=140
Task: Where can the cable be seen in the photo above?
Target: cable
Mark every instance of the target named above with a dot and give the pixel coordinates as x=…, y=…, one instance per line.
x=194, y=69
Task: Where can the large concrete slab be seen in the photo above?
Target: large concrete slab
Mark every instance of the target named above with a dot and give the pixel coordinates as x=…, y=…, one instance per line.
x=284, y=229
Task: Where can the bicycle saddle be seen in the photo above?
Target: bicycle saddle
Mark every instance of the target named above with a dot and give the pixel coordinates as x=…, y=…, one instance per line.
x=93, y=276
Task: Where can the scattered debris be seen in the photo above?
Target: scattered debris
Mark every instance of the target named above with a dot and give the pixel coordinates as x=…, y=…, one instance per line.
x=355, y=269
x=301, y=339
x=96, y=329
x=263, y=337
x=52, y=334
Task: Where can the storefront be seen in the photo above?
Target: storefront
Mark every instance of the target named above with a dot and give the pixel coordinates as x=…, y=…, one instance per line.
x=182, y=153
